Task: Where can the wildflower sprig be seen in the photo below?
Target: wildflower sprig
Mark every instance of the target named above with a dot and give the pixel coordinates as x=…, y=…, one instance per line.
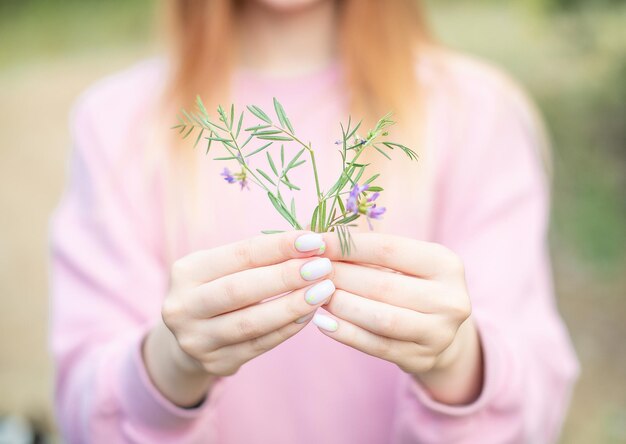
x=339, y=207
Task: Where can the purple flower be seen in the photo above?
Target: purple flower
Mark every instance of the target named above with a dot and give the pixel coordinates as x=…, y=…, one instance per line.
x=375, y=212
x=228, y=177
x=366, y=205
x=236, y=177
x=352, y=202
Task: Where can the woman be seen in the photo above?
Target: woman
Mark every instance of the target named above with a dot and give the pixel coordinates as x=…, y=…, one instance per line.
x=440, y=326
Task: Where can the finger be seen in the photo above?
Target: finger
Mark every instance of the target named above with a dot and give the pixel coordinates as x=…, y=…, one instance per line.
x=409, y=256
x=389, y=287
x=382, y=319
x=248, y=287
x=261, y=319
x=243, y=352
x=356, y=337
x=258, y=251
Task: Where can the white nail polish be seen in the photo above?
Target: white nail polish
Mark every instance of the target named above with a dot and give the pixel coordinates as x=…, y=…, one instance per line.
x=325, y=322
x=319, y=292
x=315, y=269
x=310, y=242
x=304, y=318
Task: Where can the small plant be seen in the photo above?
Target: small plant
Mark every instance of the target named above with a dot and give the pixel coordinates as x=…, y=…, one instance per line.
x=353, y=195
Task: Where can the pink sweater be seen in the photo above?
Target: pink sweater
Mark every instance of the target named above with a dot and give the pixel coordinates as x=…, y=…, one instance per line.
x=479, y=189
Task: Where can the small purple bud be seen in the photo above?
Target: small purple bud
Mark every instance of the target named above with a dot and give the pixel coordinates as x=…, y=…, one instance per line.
x=375, y=212
x=373, y=197
x=228, y=177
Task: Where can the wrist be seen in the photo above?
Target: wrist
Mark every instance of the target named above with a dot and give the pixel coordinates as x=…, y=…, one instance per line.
x=178, y=376
x=457, y=376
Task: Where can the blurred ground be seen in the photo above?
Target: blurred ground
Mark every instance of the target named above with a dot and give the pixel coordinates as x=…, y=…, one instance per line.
x=573, y=63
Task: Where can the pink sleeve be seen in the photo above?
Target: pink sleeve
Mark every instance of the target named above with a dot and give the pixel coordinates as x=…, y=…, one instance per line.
x=493, y=212
x=107, y=283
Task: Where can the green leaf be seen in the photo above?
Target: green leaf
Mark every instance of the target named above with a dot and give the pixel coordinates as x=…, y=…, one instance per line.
x=259, y=113
x=282, y=117
x=195, y=144
x=293, y=208
x=280, y=207
x=372, y=179
x=297, y=164
x=201, y=107
x=340, y=203
x=225, y=158
x=250, y=137
x=220, y=139
x=271, y=162
x=272, y=231
x=267, y=132
x=289, y=184
x=282, y=156
x=348, y=219
x=314, y=219
x=258, y=150
x=382, y=152
x=278, y=138
x=264, y=174
x=239, y=125
x=375, y=189
x=353, y=132
x=257, y=127
x=188, y=132
x=360, y=173
x=294, y=160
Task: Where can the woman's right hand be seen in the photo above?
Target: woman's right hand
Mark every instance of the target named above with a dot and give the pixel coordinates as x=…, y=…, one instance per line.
x=214, y=314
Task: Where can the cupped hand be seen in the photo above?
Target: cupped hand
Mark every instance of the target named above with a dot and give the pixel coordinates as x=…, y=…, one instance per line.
x=406, y=301
x=230, y=304
x=215, y=307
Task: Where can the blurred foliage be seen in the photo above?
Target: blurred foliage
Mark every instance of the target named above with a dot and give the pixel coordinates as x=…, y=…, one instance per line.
x=570, y=55
x=573, y=64
x=49, y=28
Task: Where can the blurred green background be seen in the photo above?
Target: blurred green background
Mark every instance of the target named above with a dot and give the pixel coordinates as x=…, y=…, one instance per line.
x=569, y=54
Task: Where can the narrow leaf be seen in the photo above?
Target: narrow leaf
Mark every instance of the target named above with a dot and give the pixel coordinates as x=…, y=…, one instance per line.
x=279, y=138
x=382, y=152
x=314, y=219
x=195, y=144
x=282, y=117
x=259, y=113
x=289, y=184
x=239, y=125
x=372, y=179
x=258, y=150
x=295, y=159
x=264, y=174
x=271, y=162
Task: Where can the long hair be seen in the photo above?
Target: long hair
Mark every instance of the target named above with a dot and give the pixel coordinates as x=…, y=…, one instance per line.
x=379, y=43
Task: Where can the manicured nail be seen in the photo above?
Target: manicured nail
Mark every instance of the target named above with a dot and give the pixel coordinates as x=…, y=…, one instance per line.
x=319, y=292
x=315, y=269
x=310, y=242
x=304, y=318
x=325, y=322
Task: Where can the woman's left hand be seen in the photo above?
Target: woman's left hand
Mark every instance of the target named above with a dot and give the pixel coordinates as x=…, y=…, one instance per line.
x=414, y=312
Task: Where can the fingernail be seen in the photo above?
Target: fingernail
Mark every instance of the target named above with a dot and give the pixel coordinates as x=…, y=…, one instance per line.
x=315, y=269
x=325, y=322
x=310, y=242
x=304, y=318
x=319, y=292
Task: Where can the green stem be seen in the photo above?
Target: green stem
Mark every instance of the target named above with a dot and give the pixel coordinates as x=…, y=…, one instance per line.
x=318, y=190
